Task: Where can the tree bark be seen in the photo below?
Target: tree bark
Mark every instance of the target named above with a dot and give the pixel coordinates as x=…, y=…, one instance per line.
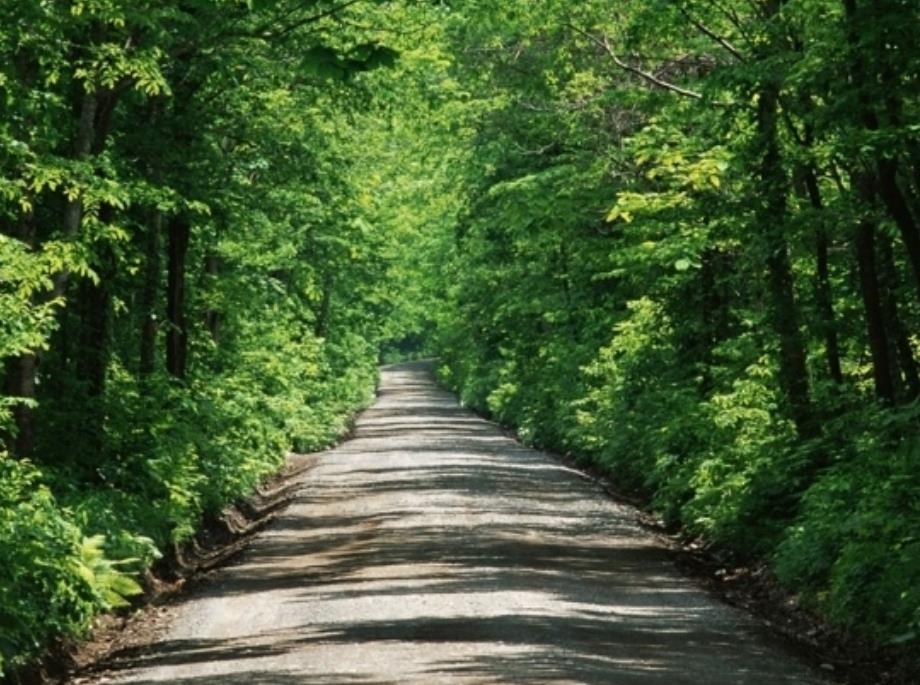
x=73, y=209
x=896, y=204
x=177, y=335
x=823, y=294
x=715, y=318
x=147, y=302
x=886, y=167
x=20, y=383
x=21, y=371
x=212, y=316
x=900, y=342
x=94, y=302
x=913, y=157
x=875, y=322
x=321, y=327
x=771, y=223
x=870, y=290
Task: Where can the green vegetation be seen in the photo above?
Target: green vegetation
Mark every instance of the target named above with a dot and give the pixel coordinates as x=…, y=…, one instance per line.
x=678, y=239
x=190, y=282
x=688, y=251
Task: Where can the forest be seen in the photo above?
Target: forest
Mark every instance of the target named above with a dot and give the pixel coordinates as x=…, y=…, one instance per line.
x=678, y=240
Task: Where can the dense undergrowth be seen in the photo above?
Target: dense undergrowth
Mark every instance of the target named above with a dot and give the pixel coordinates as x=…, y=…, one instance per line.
x=74, y=541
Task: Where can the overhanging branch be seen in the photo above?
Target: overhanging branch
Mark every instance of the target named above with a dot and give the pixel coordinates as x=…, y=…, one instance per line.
x=604, y=44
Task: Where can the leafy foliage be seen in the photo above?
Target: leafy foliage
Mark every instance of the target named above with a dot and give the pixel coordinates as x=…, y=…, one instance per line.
x=192, y=280
x=686, y=249
x=678, y=239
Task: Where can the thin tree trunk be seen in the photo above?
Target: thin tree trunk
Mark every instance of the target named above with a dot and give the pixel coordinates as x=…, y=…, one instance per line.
x=913, y=156
x=94, y=301
x=21, y=371
x=94, y=344
x=896, y=204
x=73, y=210
x=888, y=278
x=20, y=383
x=212, y=316
x=823, y=295
x=149, y=296
x=321, y=327
x=886, y=168
x=870, y=290
x=177, y=335
x=714, y=312
x=771, y=222
x=94, y=304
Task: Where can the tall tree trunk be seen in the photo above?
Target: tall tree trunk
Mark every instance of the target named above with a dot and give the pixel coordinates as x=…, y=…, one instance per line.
x=147, y=302
x=913, y=154
x=771, y=223
x=94, y=302
x=20, y=383
x=21, y=370
x=177, y=335
x=94, y=345
x=896, y=204
x=870, y=290
x=890, y=80
x=714, y=309
x=888, y=279
x=823, y=295
x=93, y=305
x=212, y=316
x=321, y=327
x=83, y=147
x=886, y=167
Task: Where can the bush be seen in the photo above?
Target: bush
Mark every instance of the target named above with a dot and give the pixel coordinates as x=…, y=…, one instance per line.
x=854, y=551
x=53, y=579
x=172, y=454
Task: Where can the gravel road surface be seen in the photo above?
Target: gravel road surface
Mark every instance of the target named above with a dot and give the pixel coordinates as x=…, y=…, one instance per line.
x=433, y=549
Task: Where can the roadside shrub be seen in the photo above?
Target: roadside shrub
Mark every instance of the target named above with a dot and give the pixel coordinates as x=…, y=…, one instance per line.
x=53, y=579
x=75, y=533
x=717, y=456
x=639, y=419
x=854, y=551
x=741, y=479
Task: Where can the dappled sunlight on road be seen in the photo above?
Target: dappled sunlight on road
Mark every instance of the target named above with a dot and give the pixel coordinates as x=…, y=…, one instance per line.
x=433, y=549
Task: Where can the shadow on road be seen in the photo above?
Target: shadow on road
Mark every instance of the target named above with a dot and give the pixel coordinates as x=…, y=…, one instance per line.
x=433, y=545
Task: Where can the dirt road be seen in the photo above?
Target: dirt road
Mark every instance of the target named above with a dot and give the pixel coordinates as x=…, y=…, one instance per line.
x=433, y=549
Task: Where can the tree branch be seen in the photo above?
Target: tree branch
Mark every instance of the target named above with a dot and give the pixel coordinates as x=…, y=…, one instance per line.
x=708, y=32
x=732, y=17
x=604, y=43
x=310, y=20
